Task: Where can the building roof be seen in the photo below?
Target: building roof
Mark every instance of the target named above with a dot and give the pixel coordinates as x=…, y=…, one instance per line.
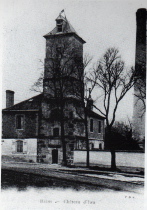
x=67, y=29
x=31, y=104
x=34, y=104
x=95, y=115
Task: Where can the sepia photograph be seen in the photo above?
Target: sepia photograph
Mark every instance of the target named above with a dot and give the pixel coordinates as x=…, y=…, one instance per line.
x=73, y=104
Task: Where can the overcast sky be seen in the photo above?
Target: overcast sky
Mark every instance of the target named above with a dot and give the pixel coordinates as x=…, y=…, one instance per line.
x=101, y=24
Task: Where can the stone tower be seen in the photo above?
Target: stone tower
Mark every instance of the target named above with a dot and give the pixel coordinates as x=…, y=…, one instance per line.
x=140, y=86
x=63, y=93
x=64, y=60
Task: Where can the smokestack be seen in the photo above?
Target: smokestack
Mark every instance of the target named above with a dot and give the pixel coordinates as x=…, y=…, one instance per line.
x=141, y=16
x=140, y=61
x=9, y=98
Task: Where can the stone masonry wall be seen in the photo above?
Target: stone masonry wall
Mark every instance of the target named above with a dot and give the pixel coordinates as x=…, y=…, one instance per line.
x=30, y=128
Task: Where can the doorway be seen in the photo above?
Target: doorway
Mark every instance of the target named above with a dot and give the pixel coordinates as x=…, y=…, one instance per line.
x=54, y=156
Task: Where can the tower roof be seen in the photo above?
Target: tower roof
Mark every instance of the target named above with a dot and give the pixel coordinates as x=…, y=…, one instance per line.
x=67, y=28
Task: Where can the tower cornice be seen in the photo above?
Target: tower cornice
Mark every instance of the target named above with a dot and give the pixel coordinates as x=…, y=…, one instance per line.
x=49, y=35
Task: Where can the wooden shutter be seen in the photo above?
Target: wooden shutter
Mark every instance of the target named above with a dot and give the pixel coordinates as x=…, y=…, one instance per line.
x=13, y=146
x=25, y=146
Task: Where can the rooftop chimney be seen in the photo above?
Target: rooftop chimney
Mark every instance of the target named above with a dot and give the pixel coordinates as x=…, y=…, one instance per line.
x=9, y=98
x=90, y=101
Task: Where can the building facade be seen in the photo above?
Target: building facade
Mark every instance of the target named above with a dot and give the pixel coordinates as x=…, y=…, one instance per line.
x=48, y=126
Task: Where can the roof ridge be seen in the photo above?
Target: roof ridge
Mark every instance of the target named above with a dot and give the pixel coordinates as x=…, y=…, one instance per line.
x=22, y=102
x=96, y=114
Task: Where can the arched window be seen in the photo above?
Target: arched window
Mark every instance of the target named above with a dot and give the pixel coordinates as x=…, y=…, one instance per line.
x=19, y=144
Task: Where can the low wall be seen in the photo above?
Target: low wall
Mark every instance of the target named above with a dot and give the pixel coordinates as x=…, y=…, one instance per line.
x=129, y=159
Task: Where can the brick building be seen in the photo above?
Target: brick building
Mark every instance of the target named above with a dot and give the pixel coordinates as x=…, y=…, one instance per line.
x=43, y=127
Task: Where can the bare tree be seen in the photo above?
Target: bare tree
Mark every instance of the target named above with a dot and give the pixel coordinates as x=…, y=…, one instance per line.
x=114, y=81
x=38, y=85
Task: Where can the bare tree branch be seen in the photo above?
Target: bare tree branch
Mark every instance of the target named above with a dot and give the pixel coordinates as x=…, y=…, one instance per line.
x=110, y=76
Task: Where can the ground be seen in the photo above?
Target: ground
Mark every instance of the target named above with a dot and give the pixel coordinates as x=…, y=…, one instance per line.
x=121, y=181
x=46, y=186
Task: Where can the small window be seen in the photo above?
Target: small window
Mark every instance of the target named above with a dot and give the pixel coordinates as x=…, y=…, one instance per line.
x=19, y=146
x=19, y=122
x=59, y=27
x=91, y=125
x=58, y=93
x=58, y=55
x=99, y=127
x=56, y=132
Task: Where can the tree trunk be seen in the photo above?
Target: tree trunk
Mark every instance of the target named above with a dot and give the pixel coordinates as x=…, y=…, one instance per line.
x=87, y=139
x=64, y=160
x=113, y=160
x=112, y=148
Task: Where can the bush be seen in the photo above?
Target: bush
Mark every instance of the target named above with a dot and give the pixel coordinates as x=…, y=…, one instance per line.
x=122, y=139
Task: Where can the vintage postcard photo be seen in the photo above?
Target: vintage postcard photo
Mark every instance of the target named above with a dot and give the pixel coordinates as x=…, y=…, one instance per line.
x=73, y=104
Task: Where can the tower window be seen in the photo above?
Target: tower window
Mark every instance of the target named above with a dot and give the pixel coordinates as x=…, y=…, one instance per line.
x=19, y=121
x=99, y=127
x=58, y=93
x=56, y=132
x=58, y=50
x=19, y=146
x=59, y=28
x=59, y=25
x=91, y=125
